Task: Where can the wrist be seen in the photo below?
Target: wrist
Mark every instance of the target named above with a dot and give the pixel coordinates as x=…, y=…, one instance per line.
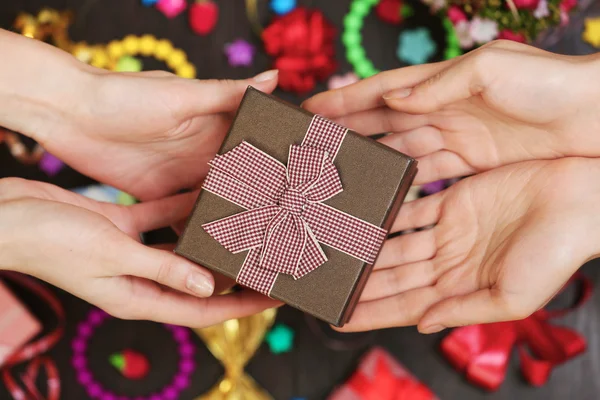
x=40, y=86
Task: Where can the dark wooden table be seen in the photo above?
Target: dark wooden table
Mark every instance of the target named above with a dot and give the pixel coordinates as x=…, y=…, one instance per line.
x=312, y=369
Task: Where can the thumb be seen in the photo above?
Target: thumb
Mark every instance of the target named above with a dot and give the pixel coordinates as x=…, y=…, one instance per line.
x=480, y=307
x=462, y=80
x=217, y=96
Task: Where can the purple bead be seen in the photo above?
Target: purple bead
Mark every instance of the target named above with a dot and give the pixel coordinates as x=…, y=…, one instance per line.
x=79, y=345
x=96, y=317
x=170, y=393
x=79, y=362
x=181, y=381
x=434, y=187
x=84, y=378
x=50, y=164
x=108, y=396
x=186, y=350
x=181, y=334
x=85, y=330
x=94, y=390
x=155, y=397
x=186, y=366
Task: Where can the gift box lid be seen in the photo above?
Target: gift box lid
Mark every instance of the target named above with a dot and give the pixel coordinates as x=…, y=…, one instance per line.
x=375, y=180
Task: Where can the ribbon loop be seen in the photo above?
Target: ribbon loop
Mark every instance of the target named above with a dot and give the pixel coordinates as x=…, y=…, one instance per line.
x=483, y=351
x=267, y=175
x=284, y=244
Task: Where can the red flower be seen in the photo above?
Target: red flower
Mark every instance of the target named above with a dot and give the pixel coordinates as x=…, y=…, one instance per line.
x=567, y=5
x=510, y=35
x=302, y=44
x=526, y=4
x=456, y=15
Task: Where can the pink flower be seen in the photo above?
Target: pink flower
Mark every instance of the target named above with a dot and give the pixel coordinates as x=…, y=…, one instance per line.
x=483, y=30
x=463, y=33
x=542, y=10
x=567, y=5
x=526, y=4
x=510, y=35
x=456, y=15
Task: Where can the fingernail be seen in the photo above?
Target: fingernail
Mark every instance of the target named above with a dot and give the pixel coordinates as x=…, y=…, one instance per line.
x=433, y=329
x=266, y=76
x=200, y=284
x=397, y=94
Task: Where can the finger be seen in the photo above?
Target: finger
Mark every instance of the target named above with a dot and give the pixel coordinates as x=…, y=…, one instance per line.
x=381, y=120
x=164, y=267
x=222, y=283
x=459, y=81
x=419, y=213
x=392, y=281
x=408, y=248
x=155, y=214
x=416, y=143
x=442, y=164
x=404, y=309
x=150, y=302
x=368, y=93
x=217, y=96
x=480, y=307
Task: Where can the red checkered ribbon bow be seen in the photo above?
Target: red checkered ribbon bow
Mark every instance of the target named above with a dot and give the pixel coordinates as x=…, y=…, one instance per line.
x=286, y=219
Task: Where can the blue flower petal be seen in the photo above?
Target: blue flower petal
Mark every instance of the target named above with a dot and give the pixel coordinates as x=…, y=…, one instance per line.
x=416, y=46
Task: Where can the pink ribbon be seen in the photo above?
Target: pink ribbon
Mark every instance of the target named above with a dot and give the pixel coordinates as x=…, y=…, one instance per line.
x=286, y=221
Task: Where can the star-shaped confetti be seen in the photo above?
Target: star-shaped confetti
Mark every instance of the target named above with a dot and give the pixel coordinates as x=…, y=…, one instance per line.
x=416, y=46
x=591, y=34
x=280, y=339
x=240, y=53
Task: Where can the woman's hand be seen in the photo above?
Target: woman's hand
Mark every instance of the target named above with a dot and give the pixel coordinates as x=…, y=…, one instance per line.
x=503, y=244
x=92, y=250
x=503, y=103
x=149, y=134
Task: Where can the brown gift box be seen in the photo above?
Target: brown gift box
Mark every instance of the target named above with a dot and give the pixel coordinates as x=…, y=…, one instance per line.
x=375, y=179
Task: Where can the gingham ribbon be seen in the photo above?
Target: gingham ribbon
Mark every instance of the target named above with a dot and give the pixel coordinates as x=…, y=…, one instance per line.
x=286, y=219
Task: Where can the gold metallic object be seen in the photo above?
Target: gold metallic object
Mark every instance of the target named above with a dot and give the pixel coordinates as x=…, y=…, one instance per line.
x=253, y=17
x=233, y=343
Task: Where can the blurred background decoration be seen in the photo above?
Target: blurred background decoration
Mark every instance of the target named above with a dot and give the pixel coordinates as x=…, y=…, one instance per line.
x=60, y=347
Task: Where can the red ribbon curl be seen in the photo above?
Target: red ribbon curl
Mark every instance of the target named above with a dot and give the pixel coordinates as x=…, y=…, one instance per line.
x=302, y=43
x=482, y=352
x=34, y=350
